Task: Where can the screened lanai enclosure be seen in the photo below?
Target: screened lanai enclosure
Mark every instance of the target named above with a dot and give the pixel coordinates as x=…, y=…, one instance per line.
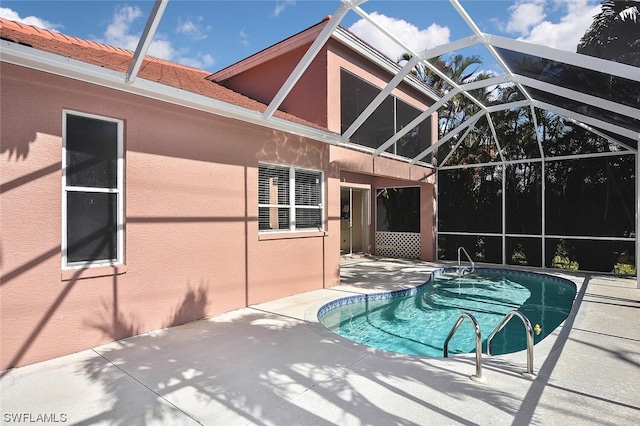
x=536, y=166
x=536, y=163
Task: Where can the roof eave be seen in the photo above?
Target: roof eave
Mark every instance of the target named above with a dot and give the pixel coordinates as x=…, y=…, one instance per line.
x=29, y=57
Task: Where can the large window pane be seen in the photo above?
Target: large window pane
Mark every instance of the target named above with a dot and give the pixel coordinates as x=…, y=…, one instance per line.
x=378, y=128
x=92, y=221
x=389, y=117
x=355, y=95
x=418, y=139
x=92, y=152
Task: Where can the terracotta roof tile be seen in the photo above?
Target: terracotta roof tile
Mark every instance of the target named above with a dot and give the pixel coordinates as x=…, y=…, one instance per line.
x=117, y=59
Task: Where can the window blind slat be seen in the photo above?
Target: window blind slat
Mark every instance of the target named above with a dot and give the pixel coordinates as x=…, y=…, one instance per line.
x=278, y=187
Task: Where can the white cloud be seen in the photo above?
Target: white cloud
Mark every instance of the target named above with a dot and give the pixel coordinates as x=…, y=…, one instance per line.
x=119, y=33
x=162, y=49
x=244, y=38
x=12, y=15
x=208, y=60
x=202, y=61
x=565, y=31
x=523, y=16
x=195, y=29
x=282, y=5
x=417, y=39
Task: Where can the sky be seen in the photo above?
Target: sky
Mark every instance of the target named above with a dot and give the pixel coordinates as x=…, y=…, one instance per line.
x=213, y=34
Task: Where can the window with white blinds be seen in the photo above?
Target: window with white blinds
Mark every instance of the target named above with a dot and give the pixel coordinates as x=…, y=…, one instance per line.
x=289, y=199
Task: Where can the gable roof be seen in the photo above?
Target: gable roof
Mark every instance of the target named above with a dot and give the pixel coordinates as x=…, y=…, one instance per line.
x=153, y=69
x=267, y=54
x=307, y=37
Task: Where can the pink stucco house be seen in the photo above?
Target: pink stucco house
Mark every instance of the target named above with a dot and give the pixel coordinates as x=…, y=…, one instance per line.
x=133, y=206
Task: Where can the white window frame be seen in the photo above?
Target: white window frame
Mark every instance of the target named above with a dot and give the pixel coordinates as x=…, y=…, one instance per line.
x=292, y=199
x=118, y=190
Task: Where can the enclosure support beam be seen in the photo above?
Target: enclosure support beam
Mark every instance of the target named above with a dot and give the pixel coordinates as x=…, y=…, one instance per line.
x=416, y=121
x=437, y=216
x=543, y=182
x=374, y=104
x=543, y=212
x=145, y=40
x=503, y=238
x=310, y=55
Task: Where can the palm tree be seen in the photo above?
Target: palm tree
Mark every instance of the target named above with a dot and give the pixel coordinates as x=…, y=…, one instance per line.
x=425, y=73
x=459, y=69
x=614, y=33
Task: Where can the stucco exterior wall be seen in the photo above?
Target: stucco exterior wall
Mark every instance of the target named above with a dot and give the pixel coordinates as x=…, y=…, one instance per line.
x=364, y=163
x=192, y=247
x=307, y=99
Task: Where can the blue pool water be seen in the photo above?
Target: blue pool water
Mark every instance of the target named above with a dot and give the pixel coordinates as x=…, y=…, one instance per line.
x=417, y=321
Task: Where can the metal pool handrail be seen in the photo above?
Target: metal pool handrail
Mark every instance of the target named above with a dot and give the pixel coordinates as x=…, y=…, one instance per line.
x=529, y=329
x=462, y=249
x=464, y=315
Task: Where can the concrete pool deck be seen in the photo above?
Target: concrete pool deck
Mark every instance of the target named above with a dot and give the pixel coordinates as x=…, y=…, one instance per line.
x=274, y=364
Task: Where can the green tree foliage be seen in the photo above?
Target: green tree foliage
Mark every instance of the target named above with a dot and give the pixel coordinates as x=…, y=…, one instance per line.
x=583, y=197
x=400, y=208
x=459, y=69
x=614, y=33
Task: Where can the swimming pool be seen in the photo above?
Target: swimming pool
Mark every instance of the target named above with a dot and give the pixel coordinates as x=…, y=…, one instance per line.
x=416, y=321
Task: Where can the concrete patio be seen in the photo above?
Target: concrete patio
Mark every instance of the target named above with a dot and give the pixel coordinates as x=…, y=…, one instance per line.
x=274, y=364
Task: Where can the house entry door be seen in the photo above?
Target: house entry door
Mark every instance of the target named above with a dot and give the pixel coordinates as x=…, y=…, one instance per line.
x=354, y=223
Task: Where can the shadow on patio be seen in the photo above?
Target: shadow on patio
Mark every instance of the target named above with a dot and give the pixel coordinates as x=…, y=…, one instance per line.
x=254, y=367
x=273, y=364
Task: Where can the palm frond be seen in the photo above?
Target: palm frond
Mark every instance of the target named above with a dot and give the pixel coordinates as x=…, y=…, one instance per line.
x=630, y=13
